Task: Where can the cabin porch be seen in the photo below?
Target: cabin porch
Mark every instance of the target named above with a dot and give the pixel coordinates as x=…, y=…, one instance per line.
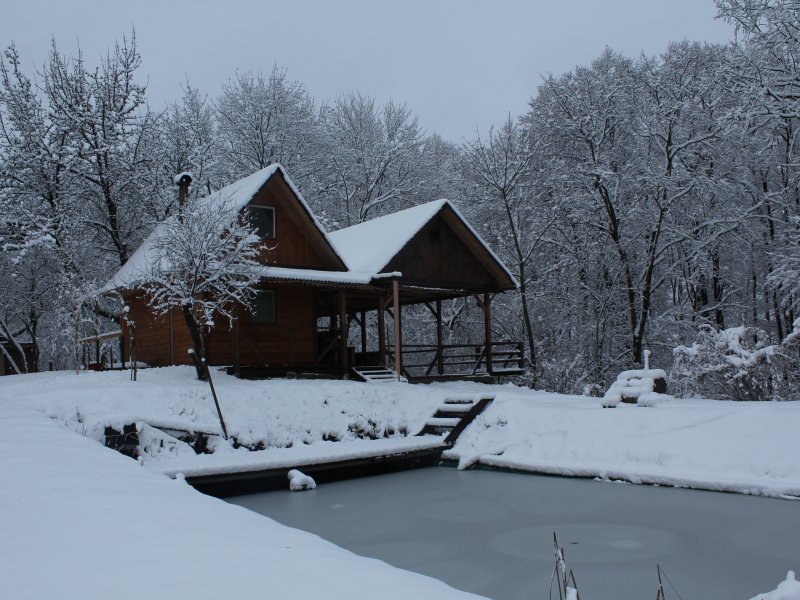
x=355, y=328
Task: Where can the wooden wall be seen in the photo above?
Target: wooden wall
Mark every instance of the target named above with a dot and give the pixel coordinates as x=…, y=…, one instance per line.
x=297, y=243
x=290, y=341
x=436, y=257
x=160, y=340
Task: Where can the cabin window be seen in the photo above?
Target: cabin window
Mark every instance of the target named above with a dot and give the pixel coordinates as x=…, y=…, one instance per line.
x=262, y=219
x=263, y=308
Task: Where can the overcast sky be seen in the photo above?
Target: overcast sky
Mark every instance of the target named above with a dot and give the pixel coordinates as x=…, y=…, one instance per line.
x=459, y=64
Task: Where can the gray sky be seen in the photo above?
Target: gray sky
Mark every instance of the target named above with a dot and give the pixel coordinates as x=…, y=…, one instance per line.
x=459, y=64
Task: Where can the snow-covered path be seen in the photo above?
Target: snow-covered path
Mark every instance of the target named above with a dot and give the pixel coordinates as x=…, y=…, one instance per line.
x=79, y=521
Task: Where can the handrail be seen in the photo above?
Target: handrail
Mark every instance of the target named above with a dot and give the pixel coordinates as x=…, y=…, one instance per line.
x=466, y=359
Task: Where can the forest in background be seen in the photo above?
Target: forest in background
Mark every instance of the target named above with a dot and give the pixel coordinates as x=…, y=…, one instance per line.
x=643, y=203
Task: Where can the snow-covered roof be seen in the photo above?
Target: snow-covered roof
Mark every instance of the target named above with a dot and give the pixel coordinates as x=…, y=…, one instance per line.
x=351, y=277
x=365, y=249
x=371, y=245
x=234, y=197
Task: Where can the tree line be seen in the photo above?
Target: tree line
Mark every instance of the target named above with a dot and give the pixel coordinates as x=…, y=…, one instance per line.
x=643, y=203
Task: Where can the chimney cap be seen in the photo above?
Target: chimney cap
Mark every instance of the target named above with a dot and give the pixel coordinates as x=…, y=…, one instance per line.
x=183, y=179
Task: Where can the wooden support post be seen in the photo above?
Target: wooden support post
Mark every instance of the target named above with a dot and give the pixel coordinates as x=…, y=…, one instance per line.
x=439, y=349
x=343, y=366
x=487, y=330
x=382, y=330
x=363, y=331
x=398, y=331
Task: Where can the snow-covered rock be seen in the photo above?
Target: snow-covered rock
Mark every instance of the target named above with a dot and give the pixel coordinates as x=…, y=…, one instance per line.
x=300, y=481
x=645, y=387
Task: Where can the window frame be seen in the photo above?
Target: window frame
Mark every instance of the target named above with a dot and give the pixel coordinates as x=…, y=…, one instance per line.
x=250, y=211
x=254, y=319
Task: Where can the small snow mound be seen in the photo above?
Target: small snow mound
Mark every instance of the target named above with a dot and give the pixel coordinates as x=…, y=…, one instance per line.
x=789, y=589
x=300, y=481
x=644, y=387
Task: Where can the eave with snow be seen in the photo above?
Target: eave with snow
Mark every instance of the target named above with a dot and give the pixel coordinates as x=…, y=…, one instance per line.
x=317, y=286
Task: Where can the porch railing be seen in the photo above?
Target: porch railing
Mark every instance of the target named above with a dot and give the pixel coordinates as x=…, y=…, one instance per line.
x=425, y=360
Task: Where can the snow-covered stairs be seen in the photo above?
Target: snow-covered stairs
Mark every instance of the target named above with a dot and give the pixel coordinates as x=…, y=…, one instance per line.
x=375, y=374
x=454, y=415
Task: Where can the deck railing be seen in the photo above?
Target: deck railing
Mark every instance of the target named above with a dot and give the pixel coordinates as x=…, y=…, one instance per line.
x=425, y=360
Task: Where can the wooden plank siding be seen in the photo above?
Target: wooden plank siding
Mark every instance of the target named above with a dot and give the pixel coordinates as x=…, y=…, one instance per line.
x=289, y=341
x=437, y=257
x=298, y=243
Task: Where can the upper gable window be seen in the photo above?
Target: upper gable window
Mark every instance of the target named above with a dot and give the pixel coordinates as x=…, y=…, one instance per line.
x=262, y=218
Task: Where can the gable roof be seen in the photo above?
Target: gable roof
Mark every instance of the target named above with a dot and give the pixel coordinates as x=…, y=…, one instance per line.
x=234, y=197
x=363, y=251
x=371, y=246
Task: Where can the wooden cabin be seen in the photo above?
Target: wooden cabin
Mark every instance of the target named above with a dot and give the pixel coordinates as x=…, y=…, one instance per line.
x=319, y=289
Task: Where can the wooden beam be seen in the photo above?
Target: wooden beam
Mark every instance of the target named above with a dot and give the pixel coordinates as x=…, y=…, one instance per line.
x=487, y=330
x=363, y=324
x=382, y=330
x=343, y=366
x=439, y=339
x=398, y=336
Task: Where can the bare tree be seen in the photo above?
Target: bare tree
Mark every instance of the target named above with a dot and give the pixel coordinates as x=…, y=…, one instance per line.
x=203, y=262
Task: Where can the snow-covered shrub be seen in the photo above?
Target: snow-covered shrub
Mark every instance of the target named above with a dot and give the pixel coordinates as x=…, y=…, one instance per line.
x=738, y=363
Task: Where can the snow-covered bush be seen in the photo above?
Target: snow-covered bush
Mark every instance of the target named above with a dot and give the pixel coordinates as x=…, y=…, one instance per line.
x=739, y=363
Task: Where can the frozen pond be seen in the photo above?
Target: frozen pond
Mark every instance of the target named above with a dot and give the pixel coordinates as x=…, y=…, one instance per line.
x=491, y=533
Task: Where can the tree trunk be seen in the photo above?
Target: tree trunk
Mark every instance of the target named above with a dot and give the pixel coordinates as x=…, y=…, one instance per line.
x=198, y=352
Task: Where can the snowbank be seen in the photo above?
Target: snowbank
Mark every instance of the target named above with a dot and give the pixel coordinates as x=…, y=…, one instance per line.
x=81, y=521
x=746, y=447
x=277, y=413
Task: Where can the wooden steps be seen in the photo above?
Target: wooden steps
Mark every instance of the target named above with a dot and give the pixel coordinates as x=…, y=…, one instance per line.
x=454, y=416
x=375, y=374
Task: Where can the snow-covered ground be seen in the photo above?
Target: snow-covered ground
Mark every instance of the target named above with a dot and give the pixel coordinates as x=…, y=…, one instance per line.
x=746, y=447
x=78, y=520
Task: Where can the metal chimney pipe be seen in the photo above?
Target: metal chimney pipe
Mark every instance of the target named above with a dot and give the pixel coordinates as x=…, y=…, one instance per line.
x=183, y=181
